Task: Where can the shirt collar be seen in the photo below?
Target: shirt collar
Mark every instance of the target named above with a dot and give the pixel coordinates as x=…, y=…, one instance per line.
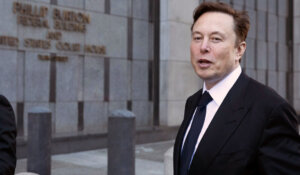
x=219, y=91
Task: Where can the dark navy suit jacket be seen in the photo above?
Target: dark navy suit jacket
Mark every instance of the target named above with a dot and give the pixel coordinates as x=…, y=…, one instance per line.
x=7, y=138
x=254, y=132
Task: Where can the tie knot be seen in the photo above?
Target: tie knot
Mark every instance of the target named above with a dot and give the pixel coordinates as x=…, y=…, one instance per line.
x=205, y=99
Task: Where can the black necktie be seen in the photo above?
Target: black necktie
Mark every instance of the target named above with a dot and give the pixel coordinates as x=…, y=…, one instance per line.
x=192, y=137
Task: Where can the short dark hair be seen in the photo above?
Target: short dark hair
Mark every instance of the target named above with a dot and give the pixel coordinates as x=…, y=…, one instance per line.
x=241, y=18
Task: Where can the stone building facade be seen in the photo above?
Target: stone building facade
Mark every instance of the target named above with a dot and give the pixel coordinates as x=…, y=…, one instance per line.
x=79, y=58
x=85, y=58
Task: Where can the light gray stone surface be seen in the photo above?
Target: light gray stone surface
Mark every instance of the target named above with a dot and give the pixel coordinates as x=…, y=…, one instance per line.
x=8, y=74
x=8, y=18
x=296, y=6
x=250, y=53
x=178, y=85
x=251, y=72
x=261, y=25
x=272, y=56
x=210, y=0
x=281, y=89
x=95, y=5
x=71, y=3
x=68, y=79
x=272, y=79
x=140, y=80
x=296, y=34
x=240, y=2
x=43, y=1
x=261, y=76
x=261, y=55
x=168, y=162
x=20, y=75
x=172, y=11
x=238, y=6
x=171, y=112
x=296, y=104
x=272, y=28
x=175, y=41
x=140, y=9
x=93, y=78
x=150, y=41
x=80, y=78
x=226, y=1
x=140, y=39
x=282, y=27
x=250, y=4
x=118, y=83
x=120, y=7
x=282, y=57
x=98, y=29
x=28, y=32
x=243, y=60
x=67, y=36
x=296, y=58
x=261, y=5
x=252, y=30
x=66, y=117
x=142, y=111
x=110, y=31
x=283, y=8
x=37, y=75
x=95, y=117
x=272, y=6
x=115, y=105
x=297, y=86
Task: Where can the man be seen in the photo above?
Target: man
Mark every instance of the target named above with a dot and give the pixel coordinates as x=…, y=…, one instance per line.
x=7, y=138
x=234, y=125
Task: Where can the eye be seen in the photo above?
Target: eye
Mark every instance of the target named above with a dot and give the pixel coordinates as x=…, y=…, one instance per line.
x=197, y=38
x=216, y=39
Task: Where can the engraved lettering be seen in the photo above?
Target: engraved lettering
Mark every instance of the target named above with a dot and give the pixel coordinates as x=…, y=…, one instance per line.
x=9, y=41
x=55, y=58
x=54, y=35
x=71, y=16
x=29, y=10
x=32, y=21
x=95, y=49
x=37, y=44
x=65, y=46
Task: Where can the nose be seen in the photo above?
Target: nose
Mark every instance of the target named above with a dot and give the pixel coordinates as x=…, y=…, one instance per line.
x=204, y=48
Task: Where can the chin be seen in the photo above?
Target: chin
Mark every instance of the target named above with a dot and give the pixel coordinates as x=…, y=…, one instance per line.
x=204, y=75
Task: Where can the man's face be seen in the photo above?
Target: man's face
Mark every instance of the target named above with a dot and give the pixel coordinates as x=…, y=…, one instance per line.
x=213, y=51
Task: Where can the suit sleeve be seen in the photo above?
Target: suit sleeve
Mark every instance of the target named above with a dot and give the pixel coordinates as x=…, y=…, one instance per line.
x=7, y=138
x=279, y=151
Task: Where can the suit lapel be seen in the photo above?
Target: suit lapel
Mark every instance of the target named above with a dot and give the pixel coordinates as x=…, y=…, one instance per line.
x=227, y=118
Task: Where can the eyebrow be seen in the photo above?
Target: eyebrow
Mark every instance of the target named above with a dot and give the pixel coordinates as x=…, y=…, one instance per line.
x=213, y=33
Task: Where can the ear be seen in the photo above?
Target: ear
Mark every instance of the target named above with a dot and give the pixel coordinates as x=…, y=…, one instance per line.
x=240, y=50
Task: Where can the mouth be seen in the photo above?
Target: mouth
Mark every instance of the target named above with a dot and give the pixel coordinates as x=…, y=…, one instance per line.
x=204, y=63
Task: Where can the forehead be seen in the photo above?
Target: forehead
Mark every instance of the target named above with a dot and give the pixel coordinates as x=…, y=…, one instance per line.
x=214, y=21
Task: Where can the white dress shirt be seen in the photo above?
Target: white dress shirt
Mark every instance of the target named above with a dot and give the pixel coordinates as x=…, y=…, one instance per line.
x=218, y=92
